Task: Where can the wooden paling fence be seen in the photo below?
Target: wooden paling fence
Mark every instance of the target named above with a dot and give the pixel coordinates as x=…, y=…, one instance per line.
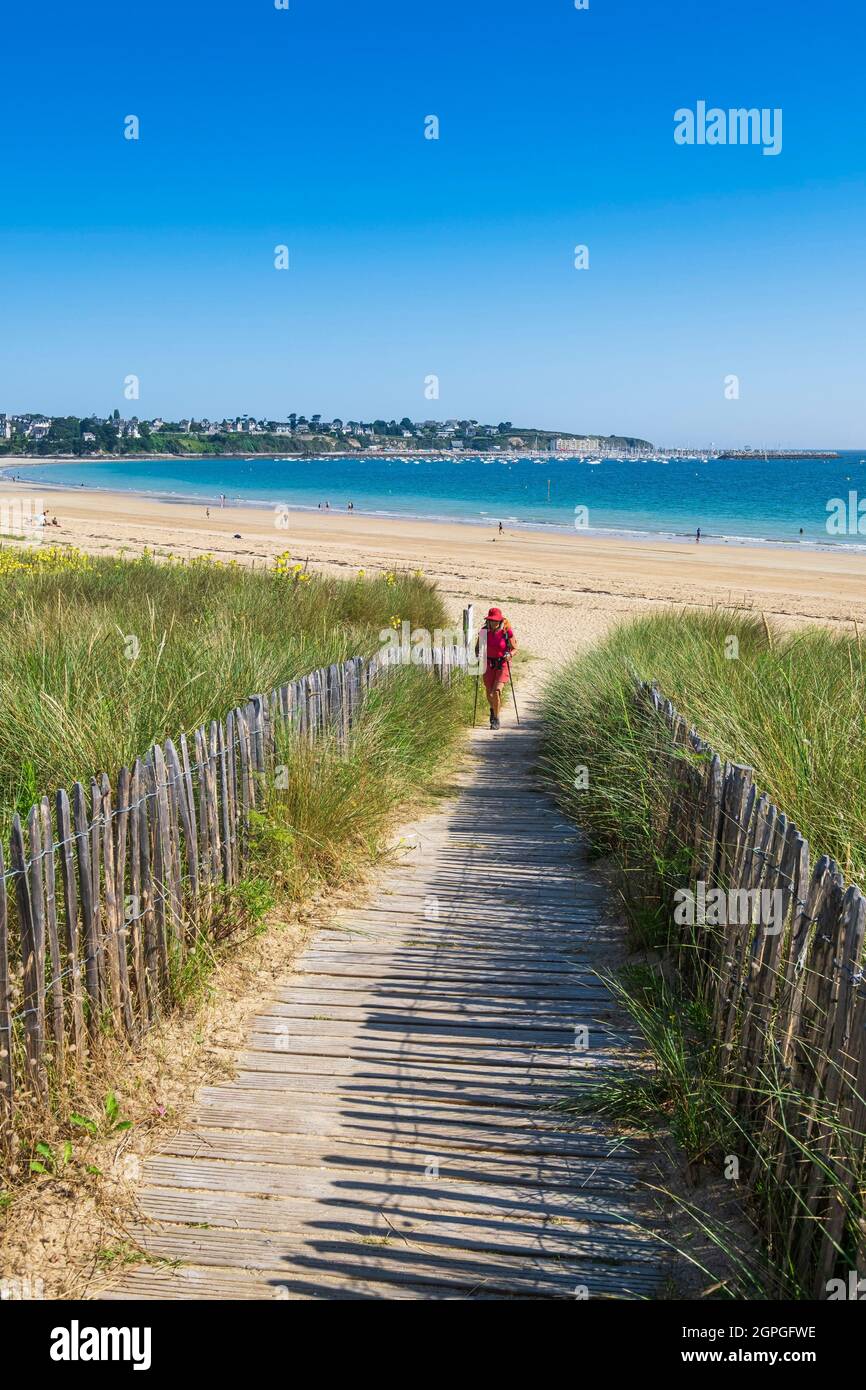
x=787, y=996
x=105, y=890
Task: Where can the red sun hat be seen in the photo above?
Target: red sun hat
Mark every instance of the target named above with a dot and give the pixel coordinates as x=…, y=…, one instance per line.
x=496, y=614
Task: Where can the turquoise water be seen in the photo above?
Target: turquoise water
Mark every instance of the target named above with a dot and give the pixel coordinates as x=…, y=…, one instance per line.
x=730, y=500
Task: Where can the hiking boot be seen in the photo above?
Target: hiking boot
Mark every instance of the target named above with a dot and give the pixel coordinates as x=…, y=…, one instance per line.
x=494, y=722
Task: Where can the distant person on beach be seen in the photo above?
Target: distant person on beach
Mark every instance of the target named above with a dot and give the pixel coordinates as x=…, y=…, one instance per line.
x=500, y=642
x=698, y=536
x=500, y=528
x=207, y=512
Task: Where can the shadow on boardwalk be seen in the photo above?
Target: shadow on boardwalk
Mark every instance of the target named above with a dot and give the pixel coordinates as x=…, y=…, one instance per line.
x=391, y=1131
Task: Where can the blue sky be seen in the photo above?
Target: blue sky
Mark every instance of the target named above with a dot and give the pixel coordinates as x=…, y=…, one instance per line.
x=454, y=257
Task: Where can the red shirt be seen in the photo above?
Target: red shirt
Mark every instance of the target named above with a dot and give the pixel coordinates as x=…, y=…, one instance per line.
x=498, y=639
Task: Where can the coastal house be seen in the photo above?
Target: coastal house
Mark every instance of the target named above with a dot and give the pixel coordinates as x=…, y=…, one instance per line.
x=37, y=429
x=5, y=427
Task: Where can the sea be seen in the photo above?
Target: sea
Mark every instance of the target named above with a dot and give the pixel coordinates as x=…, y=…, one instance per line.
x=805, y=501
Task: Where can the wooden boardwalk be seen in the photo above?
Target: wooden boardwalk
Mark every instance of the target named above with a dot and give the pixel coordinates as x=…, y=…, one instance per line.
x=391, y=1131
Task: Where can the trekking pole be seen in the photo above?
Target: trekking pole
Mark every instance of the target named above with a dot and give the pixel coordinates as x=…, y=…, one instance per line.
x=513, y=692
x=475, y=706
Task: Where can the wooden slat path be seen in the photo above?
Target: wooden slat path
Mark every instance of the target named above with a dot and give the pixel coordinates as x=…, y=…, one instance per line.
x=392, y=1131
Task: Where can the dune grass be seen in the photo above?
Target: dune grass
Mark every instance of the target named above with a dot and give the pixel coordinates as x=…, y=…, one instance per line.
x=102, y=657
x=313, y=842
x=329, y=822
x=790, y=706
x=80, y=696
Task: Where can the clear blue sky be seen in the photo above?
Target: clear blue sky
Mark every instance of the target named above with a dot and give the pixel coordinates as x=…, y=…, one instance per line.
x=453, y=257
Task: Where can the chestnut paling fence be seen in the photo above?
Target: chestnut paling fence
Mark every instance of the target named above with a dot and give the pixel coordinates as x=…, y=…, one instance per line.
x=102, y=894
x=787, y=996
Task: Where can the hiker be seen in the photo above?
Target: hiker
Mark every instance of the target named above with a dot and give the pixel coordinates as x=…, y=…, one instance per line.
x=501, y=642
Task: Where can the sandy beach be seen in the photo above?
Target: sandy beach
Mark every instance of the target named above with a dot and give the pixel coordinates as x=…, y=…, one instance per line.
x=560, y=591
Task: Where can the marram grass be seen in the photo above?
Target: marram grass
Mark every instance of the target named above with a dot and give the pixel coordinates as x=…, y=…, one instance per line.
x=99, y=658
x=791, y=706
